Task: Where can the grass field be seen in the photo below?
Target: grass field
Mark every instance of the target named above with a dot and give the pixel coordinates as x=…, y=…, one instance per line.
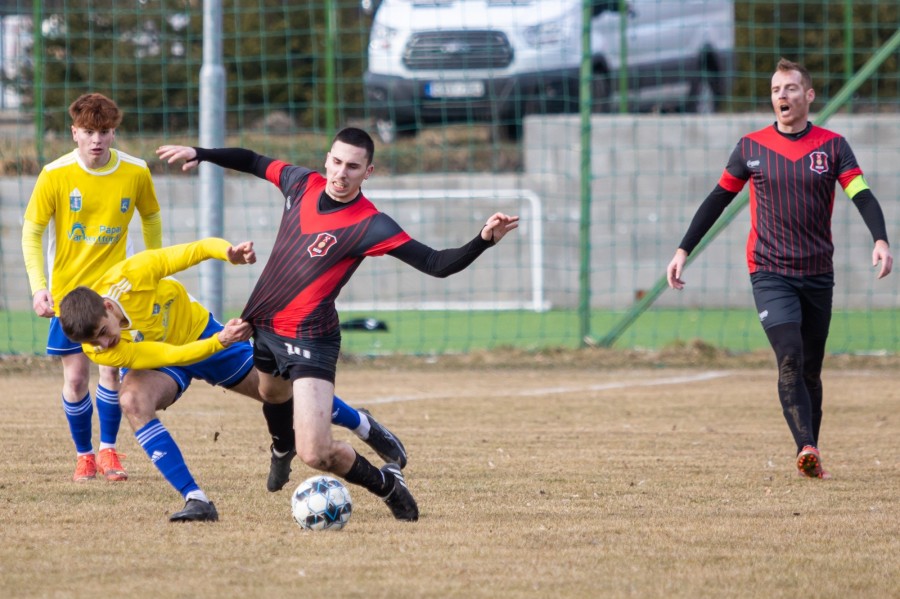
x=546, y=476
x=430, y=332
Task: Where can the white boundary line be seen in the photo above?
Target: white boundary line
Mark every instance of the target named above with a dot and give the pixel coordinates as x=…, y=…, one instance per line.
x=675, y=380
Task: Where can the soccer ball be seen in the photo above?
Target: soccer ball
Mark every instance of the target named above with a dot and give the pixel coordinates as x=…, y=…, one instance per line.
x=321, y=503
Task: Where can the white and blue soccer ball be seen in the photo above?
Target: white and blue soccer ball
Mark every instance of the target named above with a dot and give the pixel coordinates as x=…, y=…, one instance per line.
x=321, y=503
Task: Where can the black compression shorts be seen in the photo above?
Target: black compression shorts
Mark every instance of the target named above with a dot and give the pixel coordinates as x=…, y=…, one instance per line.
x=805, y=300
x=296, y=358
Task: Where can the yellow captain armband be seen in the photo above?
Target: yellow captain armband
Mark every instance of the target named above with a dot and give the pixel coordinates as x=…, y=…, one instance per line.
x=855, y=186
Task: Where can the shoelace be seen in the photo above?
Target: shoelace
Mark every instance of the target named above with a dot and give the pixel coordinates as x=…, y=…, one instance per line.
x=113, y=462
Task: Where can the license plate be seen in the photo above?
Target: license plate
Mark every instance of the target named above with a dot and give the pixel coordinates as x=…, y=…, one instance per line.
x=454, y=89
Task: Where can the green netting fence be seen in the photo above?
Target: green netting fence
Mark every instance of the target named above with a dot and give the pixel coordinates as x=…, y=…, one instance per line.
x=477, y=106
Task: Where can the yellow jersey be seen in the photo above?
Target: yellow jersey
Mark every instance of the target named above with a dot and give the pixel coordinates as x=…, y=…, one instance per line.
x=164, y=321
x=91, y=211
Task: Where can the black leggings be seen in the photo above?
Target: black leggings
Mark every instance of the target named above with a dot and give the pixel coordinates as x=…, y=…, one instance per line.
x=799, y=358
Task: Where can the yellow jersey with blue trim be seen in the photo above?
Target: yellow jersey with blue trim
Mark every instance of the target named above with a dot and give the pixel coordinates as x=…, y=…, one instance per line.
x=164, y=321
x=91, y=210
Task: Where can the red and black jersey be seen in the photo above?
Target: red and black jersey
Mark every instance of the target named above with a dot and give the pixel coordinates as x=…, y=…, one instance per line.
x=315, y=253
x=792, y=182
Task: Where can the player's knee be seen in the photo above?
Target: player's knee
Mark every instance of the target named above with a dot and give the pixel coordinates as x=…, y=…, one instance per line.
x=77, y=381
x=313, y=459
x=317, y=457
x=789, y=368
x=128, y=402
x=135, y=406
x=272, y=395
x=109, y=378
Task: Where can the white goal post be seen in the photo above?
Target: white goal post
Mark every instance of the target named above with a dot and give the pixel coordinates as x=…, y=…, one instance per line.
x=495, y=283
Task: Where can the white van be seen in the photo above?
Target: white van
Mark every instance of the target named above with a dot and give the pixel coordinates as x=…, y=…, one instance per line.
x=445, y=61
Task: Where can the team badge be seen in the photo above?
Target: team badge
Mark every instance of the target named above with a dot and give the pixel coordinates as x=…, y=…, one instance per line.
x=75, y=200
x=321, y=245
x=126, y=202
x=818, y=162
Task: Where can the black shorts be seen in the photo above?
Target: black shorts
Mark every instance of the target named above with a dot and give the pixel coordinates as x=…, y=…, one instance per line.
x=805, y=300
x=296, y=358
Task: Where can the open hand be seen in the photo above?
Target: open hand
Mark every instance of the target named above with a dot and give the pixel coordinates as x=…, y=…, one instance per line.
x=173, y=154
x=675, y=268
x=498, y=225
x=882, y=254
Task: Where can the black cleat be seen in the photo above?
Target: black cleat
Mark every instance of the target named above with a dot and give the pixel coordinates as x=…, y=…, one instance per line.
x=386, y=445
x=400, y=500
x=279, y=470
x=196, y=511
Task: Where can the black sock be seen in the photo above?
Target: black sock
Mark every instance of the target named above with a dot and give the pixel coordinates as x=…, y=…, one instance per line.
x=280, y=420
x=364, y=474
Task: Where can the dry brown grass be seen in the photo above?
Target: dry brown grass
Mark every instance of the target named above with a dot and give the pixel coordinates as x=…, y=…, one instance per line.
x=559, y=481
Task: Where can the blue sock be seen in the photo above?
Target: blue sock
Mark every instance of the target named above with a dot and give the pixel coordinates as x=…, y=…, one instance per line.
x=343, y=415
x=110, y=414
x=80, y=416
x=165, y=455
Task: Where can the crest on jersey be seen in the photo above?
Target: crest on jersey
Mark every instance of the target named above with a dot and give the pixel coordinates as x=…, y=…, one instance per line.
x=126, y=202
x=75, y=200
x=818, y=162
x=321, y=245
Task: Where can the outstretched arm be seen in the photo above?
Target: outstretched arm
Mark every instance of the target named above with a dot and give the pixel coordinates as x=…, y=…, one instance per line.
x=147, y=355
x=443, y=263
x=238, y=159
x=167, y=261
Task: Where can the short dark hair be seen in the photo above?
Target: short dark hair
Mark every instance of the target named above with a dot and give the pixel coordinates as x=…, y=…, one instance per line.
x=95, y=112
x=80, y=313
x=787, y=65
x=357, y=137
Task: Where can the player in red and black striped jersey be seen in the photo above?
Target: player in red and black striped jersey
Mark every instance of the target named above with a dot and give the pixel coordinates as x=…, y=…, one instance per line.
x=792, y=168
x=328, y=227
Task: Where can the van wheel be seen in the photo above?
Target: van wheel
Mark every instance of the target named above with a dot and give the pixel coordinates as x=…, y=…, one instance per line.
x=703, y=96
x=506, y=132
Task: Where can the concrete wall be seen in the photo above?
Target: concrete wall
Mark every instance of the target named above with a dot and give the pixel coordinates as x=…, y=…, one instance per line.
x=650, y=174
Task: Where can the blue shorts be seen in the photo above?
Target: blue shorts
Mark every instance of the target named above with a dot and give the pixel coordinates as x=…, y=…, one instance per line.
x=57, y=342
x=226, y=368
